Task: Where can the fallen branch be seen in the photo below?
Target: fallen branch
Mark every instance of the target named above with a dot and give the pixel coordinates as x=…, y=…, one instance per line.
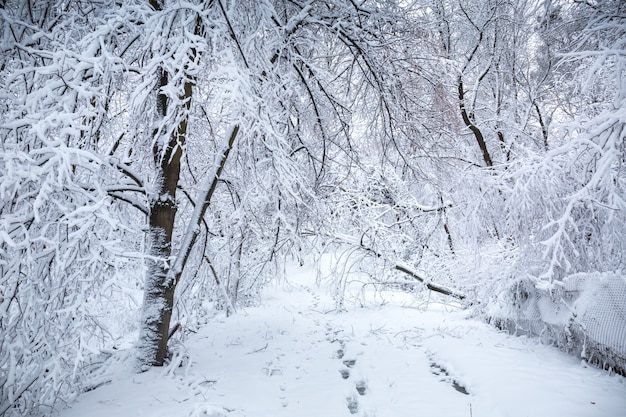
x=429, y=285
x=397, y=266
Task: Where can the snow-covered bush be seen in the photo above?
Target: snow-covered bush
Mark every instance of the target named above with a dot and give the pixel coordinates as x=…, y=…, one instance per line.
x=62, y=252
x=63, y=244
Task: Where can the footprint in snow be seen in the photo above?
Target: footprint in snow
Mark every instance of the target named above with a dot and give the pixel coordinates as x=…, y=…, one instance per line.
x=349, y=362
x=361, y=388
x=439, y=370
x=353, y=404
x=345, y=373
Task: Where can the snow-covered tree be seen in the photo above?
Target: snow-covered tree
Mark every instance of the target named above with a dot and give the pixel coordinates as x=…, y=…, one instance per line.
x=294, y=81
x=574, y=194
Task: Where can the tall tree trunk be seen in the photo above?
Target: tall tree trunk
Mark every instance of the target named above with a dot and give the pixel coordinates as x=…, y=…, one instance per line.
x=159, y=287
x=162, y=274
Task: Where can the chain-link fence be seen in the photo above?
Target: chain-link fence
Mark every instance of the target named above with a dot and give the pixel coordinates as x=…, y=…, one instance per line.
x=585, y=316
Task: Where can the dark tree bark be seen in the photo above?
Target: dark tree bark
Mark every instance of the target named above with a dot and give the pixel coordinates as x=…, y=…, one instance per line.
x=475, y=130
x=544, y=128
x=159, y=287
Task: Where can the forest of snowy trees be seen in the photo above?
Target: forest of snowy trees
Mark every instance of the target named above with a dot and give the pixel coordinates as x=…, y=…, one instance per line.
x=162, y=159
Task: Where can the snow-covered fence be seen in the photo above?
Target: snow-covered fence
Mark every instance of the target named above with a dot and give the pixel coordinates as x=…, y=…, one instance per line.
x=585, y=316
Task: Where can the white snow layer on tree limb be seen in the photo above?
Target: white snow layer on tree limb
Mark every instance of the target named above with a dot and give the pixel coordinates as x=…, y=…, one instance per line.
x=202, y=202
x=595, y=158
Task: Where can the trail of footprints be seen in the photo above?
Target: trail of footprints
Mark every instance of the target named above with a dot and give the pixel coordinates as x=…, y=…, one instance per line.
x=360, y=386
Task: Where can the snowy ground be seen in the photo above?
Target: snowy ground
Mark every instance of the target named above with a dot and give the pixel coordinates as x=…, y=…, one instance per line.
x=293, y=356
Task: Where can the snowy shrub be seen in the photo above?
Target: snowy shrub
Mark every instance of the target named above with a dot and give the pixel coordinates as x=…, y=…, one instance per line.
x=60, y=261
x=63, y=243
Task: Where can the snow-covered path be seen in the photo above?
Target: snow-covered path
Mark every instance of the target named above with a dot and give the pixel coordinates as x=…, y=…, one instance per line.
x=293, y=357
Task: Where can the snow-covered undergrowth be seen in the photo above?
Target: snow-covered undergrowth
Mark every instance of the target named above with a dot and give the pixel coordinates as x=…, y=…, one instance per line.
x=294, y=355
